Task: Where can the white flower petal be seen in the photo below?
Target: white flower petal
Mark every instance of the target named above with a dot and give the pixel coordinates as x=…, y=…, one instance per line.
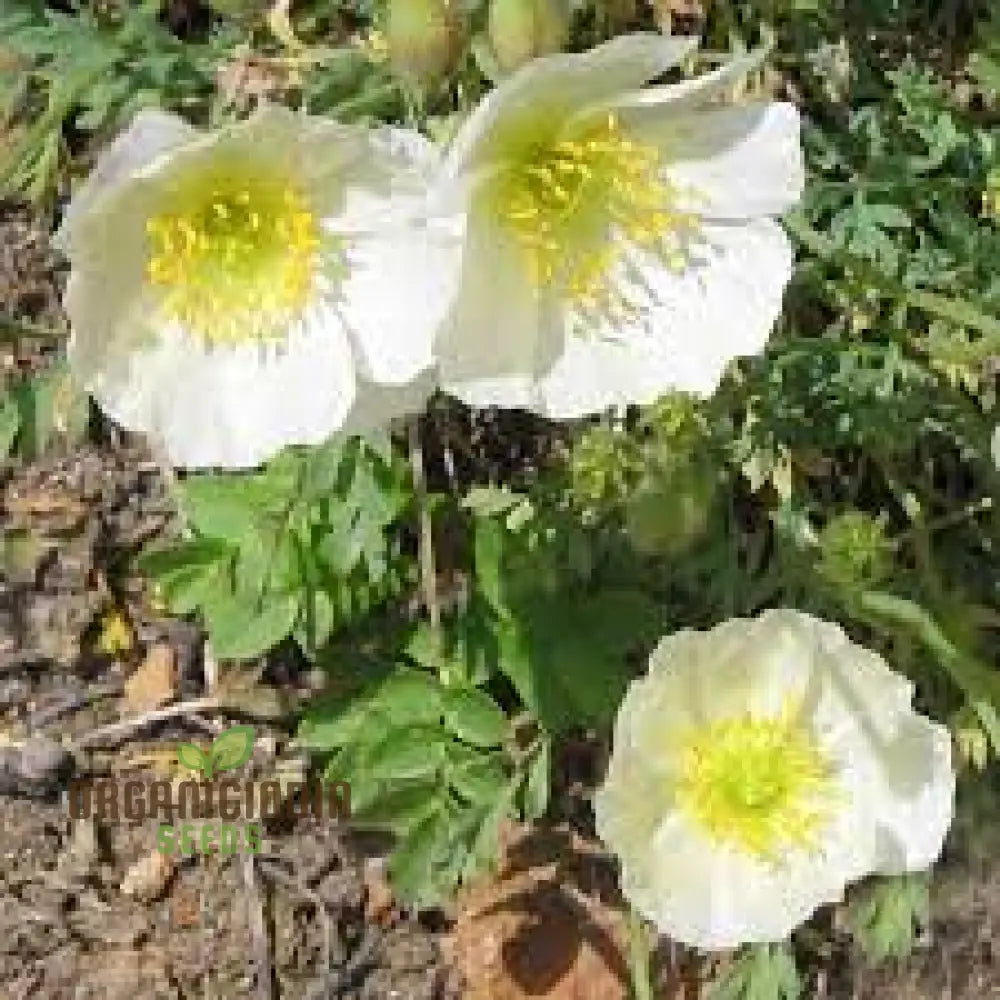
x=500, y=335
x=398, y=293
x=375, y=406
x=234, y=407
x=109, y=316
x=722, y=308
x=739, y=162
x=718, y=899
x=697, y=92
x=555, y=87
x=917, y=800
x=151, y=134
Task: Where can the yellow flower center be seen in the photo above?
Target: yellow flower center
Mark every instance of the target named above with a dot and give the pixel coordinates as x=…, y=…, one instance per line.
x=235, y=256
x=574, y=207
x=761, y=785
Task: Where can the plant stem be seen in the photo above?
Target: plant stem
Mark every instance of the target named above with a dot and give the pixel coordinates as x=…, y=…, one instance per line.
x=638, y=958
x=428, y=570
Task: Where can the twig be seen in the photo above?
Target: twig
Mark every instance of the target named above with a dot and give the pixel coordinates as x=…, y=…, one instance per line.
x=260, y=943
x=119, y=730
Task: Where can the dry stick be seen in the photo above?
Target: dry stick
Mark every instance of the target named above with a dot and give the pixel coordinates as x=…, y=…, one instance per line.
x=428, y=572
x=124, y=728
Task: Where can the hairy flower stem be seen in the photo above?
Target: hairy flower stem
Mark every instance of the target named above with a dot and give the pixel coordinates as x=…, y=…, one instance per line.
x=428, y=570
x=638, y=958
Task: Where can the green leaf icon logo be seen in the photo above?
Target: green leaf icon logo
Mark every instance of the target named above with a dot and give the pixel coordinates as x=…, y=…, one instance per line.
x=231, y=749
x=192, y=757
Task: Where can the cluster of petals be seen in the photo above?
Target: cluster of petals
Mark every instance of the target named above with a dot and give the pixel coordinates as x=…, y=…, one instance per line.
x=586, y=240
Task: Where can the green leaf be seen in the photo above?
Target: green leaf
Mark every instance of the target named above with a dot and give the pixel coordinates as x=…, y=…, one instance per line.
x=760, y=972
x=489, y=501
x=232, y=748
x=568, y=658
x=488, y=557
x=234, y=506
x=484, y=850
x=411, y=867
x=885, y=914
x=398, y=809
x=404, y=698
x=239, y=632
x=475, y=776
x=181, y=558
x=535, y=796
x=406, y=754
x=10, y=421
x=192, y=756
x=474, y=717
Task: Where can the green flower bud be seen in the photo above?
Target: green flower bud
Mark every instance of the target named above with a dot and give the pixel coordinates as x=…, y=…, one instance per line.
x=854, y=550
x=604, y=466
x=669, y=510
x=422, y=37
x=520, y=30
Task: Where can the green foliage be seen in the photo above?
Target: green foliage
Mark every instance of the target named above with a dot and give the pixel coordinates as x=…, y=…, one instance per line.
x=89, y=71
x=435, y=766
x=762, y=972
x=38, y=411
x=885, y=915
x=565, y=649
x=299, y=549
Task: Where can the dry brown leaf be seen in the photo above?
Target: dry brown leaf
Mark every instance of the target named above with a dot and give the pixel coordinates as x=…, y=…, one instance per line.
x=185, y=908
x=154, y=683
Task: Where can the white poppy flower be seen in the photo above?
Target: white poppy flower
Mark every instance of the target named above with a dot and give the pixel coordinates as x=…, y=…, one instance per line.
x=618, y=242
x=236, y=291
x=758, y=769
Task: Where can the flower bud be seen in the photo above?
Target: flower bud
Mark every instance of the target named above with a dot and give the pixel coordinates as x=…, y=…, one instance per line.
x=854, y=551
x=422, y=37
x=670, y=508
x=520, y=30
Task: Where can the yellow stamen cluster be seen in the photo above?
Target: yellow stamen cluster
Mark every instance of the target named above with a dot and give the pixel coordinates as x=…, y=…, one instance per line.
x=575, y=206
x=759, y=785
x=237, y=259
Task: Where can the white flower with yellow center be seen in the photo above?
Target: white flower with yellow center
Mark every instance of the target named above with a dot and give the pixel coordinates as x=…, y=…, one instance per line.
x=269, y=283
x=758, y=769
x=618, y=242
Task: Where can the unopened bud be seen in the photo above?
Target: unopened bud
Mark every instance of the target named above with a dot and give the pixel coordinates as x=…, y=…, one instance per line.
x=422, y=37
x=854, y=551
x=521, y=30
x=670, y=509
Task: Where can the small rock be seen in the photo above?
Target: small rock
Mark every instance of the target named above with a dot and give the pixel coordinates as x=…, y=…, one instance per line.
x=37, y=767
x=148, y=877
